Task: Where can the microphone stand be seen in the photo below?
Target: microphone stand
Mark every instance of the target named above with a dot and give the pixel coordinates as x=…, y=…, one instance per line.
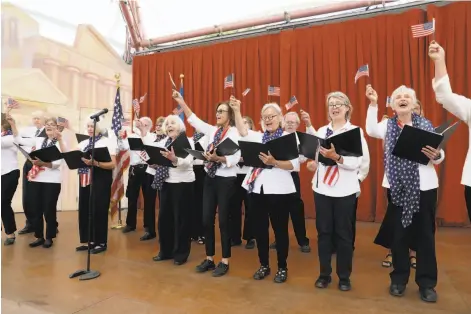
x=88, y=274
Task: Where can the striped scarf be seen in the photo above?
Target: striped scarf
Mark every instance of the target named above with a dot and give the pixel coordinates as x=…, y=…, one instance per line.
x=35, y=170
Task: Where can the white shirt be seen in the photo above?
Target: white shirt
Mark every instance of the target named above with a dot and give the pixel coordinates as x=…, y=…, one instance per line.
x=184, y=170
x=48, y=175
x=460, y=106
x=9, y=154
x=347, y=183
x=29, y=132
x=274, y=180
x=135, y=158
x=102, y=142
x=428, y=175
x=204, y=143
x=228, y=169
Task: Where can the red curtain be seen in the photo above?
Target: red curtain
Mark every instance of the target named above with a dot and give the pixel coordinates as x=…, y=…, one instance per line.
x=314, y=61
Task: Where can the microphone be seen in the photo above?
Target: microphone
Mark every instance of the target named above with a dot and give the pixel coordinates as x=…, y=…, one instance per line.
x=99, y=113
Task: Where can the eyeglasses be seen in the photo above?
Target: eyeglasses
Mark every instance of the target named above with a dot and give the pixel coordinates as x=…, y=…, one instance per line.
x=220, y=111
x=51, y=124
x=337, y=105
x=269, y=118
x=291, y=123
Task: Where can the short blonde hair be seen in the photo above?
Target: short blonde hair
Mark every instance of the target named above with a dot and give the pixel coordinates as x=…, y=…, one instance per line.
x=160, y=119
x=174, y=118
x=346, y=102
x=278, y=110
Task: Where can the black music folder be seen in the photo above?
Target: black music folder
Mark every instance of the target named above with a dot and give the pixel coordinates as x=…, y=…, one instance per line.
x=81, y=137
x=197, y=154
x=156, y=158
x=226, y=148
x=412, y=140
x=48, y=154
x=101, y=154
x=42, y=134
x=447, y=133
x=198, y=146
x=443, y=127
x=180, y=145
x=135, y=143
x=282, y=148
x=73, y=159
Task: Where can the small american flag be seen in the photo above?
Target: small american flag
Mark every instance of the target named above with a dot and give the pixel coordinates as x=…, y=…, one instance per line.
x=292, y=101
x=229, y=81
x=246, y=92
x=136, y=106
x=63, y=122
x=362, y=71
x=422, y=30
x=141, y=100
x=144, y=156
x=12, y=104
x=273, y=91
x=388, y=101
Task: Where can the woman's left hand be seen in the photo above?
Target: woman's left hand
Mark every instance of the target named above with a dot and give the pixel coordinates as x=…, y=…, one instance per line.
x=329, y=153
x=211, y=156
x=431, y=153
x=38, y=162
x=88, y=162
x=169, y=154
x=267, y=159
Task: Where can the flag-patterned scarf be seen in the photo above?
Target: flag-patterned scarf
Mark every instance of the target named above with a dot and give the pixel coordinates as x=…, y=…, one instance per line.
x=332, y=174
x=35, y=170
x=7, y=132
x=159, y=137
x=256, y=171
x=161, y=173
x=84, y=173
x=211, y=166
x=403, y=175
x=197, y=136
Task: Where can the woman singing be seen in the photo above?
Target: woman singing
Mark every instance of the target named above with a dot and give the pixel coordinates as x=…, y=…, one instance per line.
x=412, y=195
x=10, y=177
x=176, y=187
x=220, y=182
x=335, y=191
x=45, y=178
x=271, y=190
x=102, y=180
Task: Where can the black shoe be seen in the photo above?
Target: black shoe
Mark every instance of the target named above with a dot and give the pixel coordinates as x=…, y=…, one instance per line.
x=281, y=275
x=9, y=241
x=148, y=236
x=48, y=243
x=81, y=248
x=236, y=243
x=179, y=263
x=345, y=285
x=323, y=282
x=428, y=295
x=128, y=229
x=397, y=290
x=220, y=270
x=26, y=229
x=261, y=273
x=305, y=248
x=160, y=257
x=250, y=245
x=98, y=249
x=273, y=246
x=205, y=266
x=37, y=243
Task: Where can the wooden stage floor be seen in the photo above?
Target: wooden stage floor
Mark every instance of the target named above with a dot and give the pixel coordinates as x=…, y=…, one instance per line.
x=35, y=280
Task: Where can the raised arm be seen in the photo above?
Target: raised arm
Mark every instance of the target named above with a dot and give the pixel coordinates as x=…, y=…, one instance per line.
x=306, y=118
x=239, y=121
x=7, y=141
x=373, y=127
x=365, y=160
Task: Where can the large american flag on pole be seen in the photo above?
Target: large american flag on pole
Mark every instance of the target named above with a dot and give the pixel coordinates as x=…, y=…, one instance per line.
x=122, y=157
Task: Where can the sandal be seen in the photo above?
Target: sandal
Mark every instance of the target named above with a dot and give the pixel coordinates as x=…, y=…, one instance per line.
x=387, y=262
x=413, y=261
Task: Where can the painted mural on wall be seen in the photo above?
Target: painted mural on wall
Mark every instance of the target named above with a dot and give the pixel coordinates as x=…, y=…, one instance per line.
x=67, y=81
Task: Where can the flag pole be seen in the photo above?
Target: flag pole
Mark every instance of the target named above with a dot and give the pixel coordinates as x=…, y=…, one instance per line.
x=120, y=222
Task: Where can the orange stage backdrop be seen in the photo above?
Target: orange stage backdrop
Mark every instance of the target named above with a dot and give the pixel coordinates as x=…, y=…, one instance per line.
x=314, y=61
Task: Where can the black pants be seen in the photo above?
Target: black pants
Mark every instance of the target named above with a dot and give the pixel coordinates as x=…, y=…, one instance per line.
x=101, y=194
x=138, y=180
x=334, y=218
x=467, y=197
x=235, y=218
x=217, y=194
x=9, y=185
x=174, y=220
x=422, y=232
x=297, y=213
x=26, y=196
x=197, y=211
x=150, y=197
x=45, y=196
x=273, y=208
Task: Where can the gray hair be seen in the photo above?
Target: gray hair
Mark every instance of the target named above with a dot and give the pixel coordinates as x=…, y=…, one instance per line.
x=294, y=114
x=99, y=129
x=176, y=118
x=403, y=90
x=278, y=110
x=149, y=120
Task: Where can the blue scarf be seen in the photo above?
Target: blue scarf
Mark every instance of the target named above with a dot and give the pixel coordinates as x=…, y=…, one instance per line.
x=7, y=132
x=197, y=136
x=256, y=171
x=403, y=175
x=161, y=173
x=211, y=166
x=85, y=170
x=51, y=143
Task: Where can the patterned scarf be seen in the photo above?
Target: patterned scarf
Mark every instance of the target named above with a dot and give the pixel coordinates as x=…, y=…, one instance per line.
x=197, y=136
x=159, y=137
x=7, y=132
x=211, y=166
x=256, y=171
x=403, y=175
x=161, y=173
x=84, y=173
x=35, y=170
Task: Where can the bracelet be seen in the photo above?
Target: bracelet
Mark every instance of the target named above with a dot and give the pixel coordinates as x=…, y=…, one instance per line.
x=338, y=159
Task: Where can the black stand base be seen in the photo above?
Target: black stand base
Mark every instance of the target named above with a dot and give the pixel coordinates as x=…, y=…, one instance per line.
x=85, y=274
